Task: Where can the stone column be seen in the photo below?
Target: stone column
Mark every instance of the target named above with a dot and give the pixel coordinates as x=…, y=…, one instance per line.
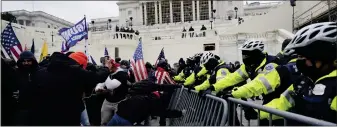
x=198, y=10
x=182, y=10
x=155, y=13
x=160, y=14
x=209, y=10
x=193, y=10
x=171, y=12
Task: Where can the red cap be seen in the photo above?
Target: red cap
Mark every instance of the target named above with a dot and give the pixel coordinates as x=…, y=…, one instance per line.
x=80, y=58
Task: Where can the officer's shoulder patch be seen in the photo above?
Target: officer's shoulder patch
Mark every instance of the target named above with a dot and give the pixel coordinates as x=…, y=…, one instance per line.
x=223, y=72
x=268, y=68
x=319, y=89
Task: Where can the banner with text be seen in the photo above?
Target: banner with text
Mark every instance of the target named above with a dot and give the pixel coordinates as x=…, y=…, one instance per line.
x=75, y=34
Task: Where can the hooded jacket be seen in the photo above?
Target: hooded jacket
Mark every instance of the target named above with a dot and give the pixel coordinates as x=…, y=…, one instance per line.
x=8, y=86
x=58, y=99
x=181, y=65
x=26, y=80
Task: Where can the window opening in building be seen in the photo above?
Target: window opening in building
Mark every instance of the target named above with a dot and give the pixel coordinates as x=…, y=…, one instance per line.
x=209, y=47
x=48, y=26
x=143, y=14
x=212, y=6
x=150, y=13
x=188, y=14
x=196, y=10
x=116, y=52
x=28, y=23
x=165, y=11
x=130, y=13
x=158, y=17
x=203, y=8
x=176, y=9
x=21, y=22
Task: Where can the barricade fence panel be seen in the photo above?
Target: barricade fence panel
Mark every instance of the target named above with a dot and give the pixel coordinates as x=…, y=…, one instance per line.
x=208, y=111
x=215, y=111
x=233, y=104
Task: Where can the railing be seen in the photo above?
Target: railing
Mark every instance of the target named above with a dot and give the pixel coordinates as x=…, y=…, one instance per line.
x=271, y=111
x=214, y=111
x=312, y=12
x=101, y=35
x=180, y=35
x=208, y=111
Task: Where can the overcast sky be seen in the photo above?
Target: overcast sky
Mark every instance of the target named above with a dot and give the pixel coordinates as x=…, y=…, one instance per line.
x=72, y=11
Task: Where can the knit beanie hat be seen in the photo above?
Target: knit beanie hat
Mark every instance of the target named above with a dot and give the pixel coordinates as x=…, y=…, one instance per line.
x=80, y=58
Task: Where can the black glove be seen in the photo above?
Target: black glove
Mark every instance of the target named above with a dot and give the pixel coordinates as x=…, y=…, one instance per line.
x=91, y=67
x=225, y=94
x=190, y=87
x=203, y=93
x=212, y=88
x=250, y=113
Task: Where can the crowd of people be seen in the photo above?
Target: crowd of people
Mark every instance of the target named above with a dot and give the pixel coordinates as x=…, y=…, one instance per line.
x=192, y=34
x=125, y=30
x=66, y=90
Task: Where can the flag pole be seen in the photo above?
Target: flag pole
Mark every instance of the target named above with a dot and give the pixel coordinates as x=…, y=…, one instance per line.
x=86, y=40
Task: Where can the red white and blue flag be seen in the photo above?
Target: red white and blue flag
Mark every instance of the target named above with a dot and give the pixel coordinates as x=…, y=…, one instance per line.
x=10, y=45
x=163, y=77
x=137, y=64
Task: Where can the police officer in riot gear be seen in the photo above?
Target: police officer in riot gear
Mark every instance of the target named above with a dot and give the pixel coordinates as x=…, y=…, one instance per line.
x=314, y=93
x=187, y=71
x=280, y=56
x=216, y=69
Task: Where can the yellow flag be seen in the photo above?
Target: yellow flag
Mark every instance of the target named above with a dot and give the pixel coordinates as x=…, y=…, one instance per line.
x=44, y=51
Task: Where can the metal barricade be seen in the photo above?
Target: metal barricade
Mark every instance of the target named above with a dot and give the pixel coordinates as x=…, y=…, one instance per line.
x=197, y=111
x=287, y=115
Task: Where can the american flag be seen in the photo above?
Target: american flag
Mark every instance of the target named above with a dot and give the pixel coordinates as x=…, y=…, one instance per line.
x=163, y=77
x=10, y=43
x=137, y=64
x=106, y=53
x=161, y=56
